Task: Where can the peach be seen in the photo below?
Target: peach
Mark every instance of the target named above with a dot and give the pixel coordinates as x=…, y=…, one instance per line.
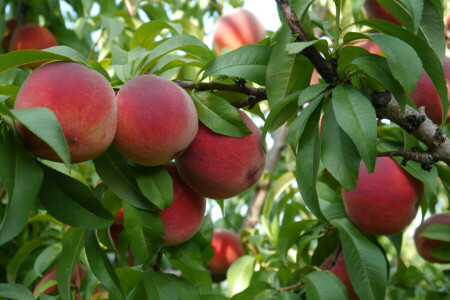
x=32, y=36
x=218, y=166
x=82, y=101
x=77, y=276
x=370, y=46
x=115, y=230
x=184, y=217
x=237, y=29
x=119, y=217
x=426, y=95
x=156, y=120
x=426, y=245
x=373, y=10
x=227, y=249
x=340, y=270
x=384, y=202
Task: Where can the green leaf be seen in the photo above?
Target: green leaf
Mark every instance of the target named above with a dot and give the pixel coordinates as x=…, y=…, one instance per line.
x=339, y=154
x=15, y=291
x=431, y=28
x=190, y=253
x=440, y=232
x=187, y=43
x=356, y=116
x=294, y=48
x=118, y=176
x=77, y=204
x=156, y=184
x=129, y=278
x=429, y=179
x=430, y=61
x=240, y=273
x=311, y=92
x=365, y=263
x=158, y=286
x=376, y=67
x=219, y=115
x=145, y=35
x=101, y=266
x=252, y=291
x=114, y=26
x=402, y=60
x=46, y=258
x=289, y=234
x=24, y=251
x=43, y=123
x=22, y=178
x=145, y=230
x=442, y=252
x=324, y=286
x=72, y=244
x=248, y=62
x=308, y=160
x=286, y=73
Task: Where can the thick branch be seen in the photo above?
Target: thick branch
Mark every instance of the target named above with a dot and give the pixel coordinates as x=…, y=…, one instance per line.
x=255, y=94
x=325, y=68
x=259, y=195
x=414, y=122
x=426, y=159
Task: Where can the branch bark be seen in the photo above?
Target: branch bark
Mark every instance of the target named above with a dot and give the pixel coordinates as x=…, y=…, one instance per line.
x=260, y=193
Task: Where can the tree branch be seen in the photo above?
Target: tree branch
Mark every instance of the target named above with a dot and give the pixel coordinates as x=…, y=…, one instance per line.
x=255, y=94
x=426, y=159
x=259, y=195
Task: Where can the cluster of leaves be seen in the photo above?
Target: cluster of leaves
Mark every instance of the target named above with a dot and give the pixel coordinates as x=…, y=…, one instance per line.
x=303, y=218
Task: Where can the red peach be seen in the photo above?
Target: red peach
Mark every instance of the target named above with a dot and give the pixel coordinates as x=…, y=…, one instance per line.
x=227, y=249
x=426, y=245
x=119, y=217
x=426, y=95
x=218, y=166
x=340, y=270
x=82, y=101
x=184, y=217
x=385, y=201
x=156, y=120
x=237, y=29
x=373, y=10
x=115, y=230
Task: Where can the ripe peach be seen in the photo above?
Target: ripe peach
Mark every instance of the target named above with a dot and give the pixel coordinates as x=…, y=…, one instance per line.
x=237, y=29
x=340, y=270
x=82, y=101
x=426, y=95
x=227, y=249
x=426, y=245
x=32, y=36
x=184, y=217
x=373, y=10
x=156, y=120
x=385, y=201
x=77, y=276
x=218, y=166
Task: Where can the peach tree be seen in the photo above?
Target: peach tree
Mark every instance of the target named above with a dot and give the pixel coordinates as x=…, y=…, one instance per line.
x=127, y=139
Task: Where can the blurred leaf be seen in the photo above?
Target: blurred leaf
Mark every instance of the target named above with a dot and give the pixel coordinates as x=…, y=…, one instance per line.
x=219, y=115
x=46, y=258
x=364, y=261
x=442, y=252
x=15, y=291
x=156, y=184
x=440, y=232
x=72, y=244
x=239, y=274
x=324, y=286
x=114, y=26
x=101, y=266
x=252, y=291
x=145, y=35
x=248, y=62
x=77, y=204
x=357, y=118
x=22, y=178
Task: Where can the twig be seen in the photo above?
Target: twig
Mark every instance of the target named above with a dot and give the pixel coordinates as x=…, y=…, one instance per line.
x=426, y=159
x=291, y=287
x=259, y=195
x=335, y=256
x=131, y=9
x=157, y=265
x=325, y=68
x=91, y=53
x=257, y=94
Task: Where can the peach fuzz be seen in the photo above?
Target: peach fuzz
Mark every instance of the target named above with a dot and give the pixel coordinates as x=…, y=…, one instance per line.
x=83, y=102
x=156, y=120
x=236, y=29
x=218, y=166
x=384, y=202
